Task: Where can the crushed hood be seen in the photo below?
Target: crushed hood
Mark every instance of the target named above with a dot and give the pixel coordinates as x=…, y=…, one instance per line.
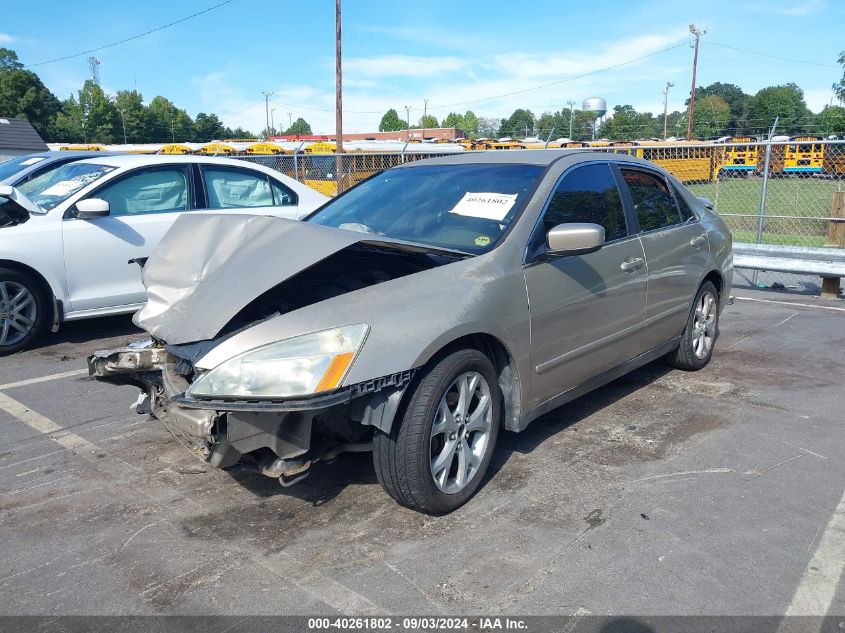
x=208, y=267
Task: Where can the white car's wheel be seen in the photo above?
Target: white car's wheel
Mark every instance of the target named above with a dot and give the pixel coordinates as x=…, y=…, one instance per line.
x=23, y=310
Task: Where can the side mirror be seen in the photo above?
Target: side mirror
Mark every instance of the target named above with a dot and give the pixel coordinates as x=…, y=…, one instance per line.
x=575, y=238
x=707, y=202
x=92, y=208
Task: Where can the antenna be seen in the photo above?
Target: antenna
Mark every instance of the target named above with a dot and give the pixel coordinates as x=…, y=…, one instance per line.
x=94, y=65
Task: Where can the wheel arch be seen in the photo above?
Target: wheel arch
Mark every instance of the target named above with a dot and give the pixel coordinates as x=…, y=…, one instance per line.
x=42, y=281
x=717, y=280
x=504, y=363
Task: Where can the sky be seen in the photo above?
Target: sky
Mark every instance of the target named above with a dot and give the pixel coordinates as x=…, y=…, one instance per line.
x=456, y=54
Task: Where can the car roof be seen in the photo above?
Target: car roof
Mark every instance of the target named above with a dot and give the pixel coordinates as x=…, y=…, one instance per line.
x=136, y=160
x=73, y=153
x=543, y=157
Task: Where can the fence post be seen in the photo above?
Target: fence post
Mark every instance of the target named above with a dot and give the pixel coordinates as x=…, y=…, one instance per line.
x=835, y=239
x=296, y=164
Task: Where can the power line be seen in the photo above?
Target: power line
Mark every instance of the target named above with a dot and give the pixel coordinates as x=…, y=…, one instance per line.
x=134, y=37
x=785, y=59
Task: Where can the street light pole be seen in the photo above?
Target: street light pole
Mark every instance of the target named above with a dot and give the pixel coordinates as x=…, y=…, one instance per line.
x=272, y=122
x=697, y=33
x=425, y=111
x=338, y=105
x=571, y=114
x=669, y=84
x=267, y=96
x=408, y=123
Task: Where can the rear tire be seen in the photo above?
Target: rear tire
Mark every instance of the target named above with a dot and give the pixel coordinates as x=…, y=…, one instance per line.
x=701, y=332
x=24, y=310
x=435, y=457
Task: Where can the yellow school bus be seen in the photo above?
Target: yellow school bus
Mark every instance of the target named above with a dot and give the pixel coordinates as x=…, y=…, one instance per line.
x=739, y=156
x=803, y=154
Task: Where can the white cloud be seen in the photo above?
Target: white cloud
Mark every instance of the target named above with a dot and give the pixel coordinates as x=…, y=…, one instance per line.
x=374, y=84
x=818, y=98
x=401, y=65
x=5, y=38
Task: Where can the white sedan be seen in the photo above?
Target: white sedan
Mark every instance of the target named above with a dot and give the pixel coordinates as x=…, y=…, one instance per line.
x=69, y=237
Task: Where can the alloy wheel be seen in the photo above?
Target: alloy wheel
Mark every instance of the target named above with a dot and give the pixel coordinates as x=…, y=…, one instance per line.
x=704, y=325
x=18, y=312
x=460, y=432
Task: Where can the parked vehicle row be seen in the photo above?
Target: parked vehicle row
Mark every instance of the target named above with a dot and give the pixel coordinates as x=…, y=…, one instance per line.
x=422, y=311
x=71, y=230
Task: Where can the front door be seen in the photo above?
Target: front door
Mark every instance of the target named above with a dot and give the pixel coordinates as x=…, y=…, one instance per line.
x=586, y=310
x=144, y=203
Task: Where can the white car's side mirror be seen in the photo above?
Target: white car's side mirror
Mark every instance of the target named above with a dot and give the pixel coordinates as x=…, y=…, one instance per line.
x=92, y=208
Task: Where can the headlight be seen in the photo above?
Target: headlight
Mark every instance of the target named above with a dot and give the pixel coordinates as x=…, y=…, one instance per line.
x=297, y=366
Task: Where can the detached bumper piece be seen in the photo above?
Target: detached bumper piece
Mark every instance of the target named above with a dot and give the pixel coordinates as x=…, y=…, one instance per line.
x=280, y=439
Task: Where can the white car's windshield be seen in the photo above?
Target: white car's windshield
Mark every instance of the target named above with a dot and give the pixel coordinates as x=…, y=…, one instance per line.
x=11, y=167
x=461, y=207
x=57, y=185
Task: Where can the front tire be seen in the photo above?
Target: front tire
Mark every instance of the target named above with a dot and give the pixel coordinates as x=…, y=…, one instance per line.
x=435, y=457
x=24, y=310
x=699, y=337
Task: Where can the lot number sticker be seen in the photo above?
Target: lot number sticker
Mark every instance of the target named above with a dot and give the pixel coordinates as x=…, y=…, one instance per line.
x=489, y=206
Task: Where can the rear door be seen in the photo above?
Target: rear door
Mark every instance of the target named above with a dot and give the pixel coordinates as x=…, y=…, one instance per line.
x=144, y=203
x=586, y=310
x=676, y=250
x=239, y=190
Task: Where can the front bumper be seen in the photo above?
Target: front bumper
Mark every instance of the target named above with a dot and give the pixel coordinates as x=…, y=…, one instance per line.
x=283, y=436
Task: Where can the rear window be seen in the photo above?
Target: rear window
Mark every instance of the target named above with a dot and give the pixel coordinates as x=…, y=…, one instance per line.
x=13, y=166
x=653, y=202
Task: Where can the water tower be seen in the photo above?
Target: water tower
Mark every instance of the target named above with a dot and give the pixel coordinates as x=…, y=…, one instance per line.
x=598, y=106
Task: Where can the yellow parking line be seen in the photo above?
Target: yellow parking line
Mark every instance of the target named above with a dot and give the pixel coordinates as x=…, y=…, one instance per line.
x=35, y=381
x=44, y=425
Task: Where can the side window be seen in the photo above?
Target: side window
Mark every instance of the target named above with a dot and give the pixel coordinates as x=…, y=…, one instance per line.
x=282, y=196
x=588, y=194
x=148, y=191
x=687, y=213
x=653, y=202
x=228, y=188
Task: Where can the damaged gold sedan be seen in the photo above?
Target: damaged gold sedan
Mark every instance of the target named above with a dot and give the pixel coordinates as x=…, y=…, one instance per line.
x=421, y=312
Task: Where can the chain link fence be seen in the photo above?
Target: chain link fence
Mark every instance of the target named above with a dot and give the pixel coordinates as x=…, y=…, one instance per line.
x=781, y=192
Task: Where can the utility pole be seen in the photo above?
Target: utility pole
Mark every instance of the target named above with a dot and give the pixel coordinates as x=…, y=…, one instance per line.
x=408, y=123
x=122, y=120
x=290, y=120
x=697, y=33
x=669, y=84
x=267, y=96
x=571, y=114
x=272, y=122
x=425, y=111
x=338, y=106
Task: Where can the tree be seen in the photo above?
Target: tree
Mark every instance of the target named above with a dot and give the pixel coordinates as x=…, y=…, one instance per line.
x=428, y=121
x=391, y=122
x=488, y=127
x=627, y=124
x=167, y=123
x=831, y=121
x=23, y=95
x=207, y=127
x=839, y=86
x=99, y=117
x=455, y=120
x=737, y=101
x=238, y=132
x=133, y=116
x=470, y=125
x=785, y=102
x=711, y=117
x=300, y=126
x=520, y=123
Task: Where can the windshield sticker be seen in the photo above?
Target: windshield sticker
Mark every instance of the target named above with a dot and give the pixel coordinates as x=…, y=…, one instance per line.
x=61, y=188
x=482, y=240
x=488, y=206
x=32, y=161
x=69, y=186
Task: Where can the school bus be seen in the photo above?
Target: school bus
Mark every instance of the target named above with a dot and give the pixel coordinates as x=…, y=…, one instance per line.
x=739, y=156
x=83, y=148
x=804, y=154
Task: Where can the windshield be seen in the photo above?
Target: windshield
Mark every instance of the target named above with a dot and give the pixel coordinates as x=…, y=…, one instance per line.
x=57, y=185
x=461, y=207
x=11, y=167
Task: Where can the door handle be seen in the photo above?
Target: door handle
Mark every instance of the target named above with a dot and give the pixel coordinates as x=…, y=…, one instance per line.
x=699, y=241
x=630, y=265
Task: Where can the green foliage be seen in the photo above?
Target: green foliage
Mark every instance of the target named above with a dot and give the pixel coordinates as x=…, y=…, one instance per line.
x=207, y=127
x=300, y=126
x=519, y=124
x=838, y=87
x=832, y=121
x=711, y=117
x=22, y=95
x=391, y=122
x=628, y=124
x=133, y=116
x=737, y=101
x=554, y=125
x=785, y=102
x=468, y=122
x=428, y=121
